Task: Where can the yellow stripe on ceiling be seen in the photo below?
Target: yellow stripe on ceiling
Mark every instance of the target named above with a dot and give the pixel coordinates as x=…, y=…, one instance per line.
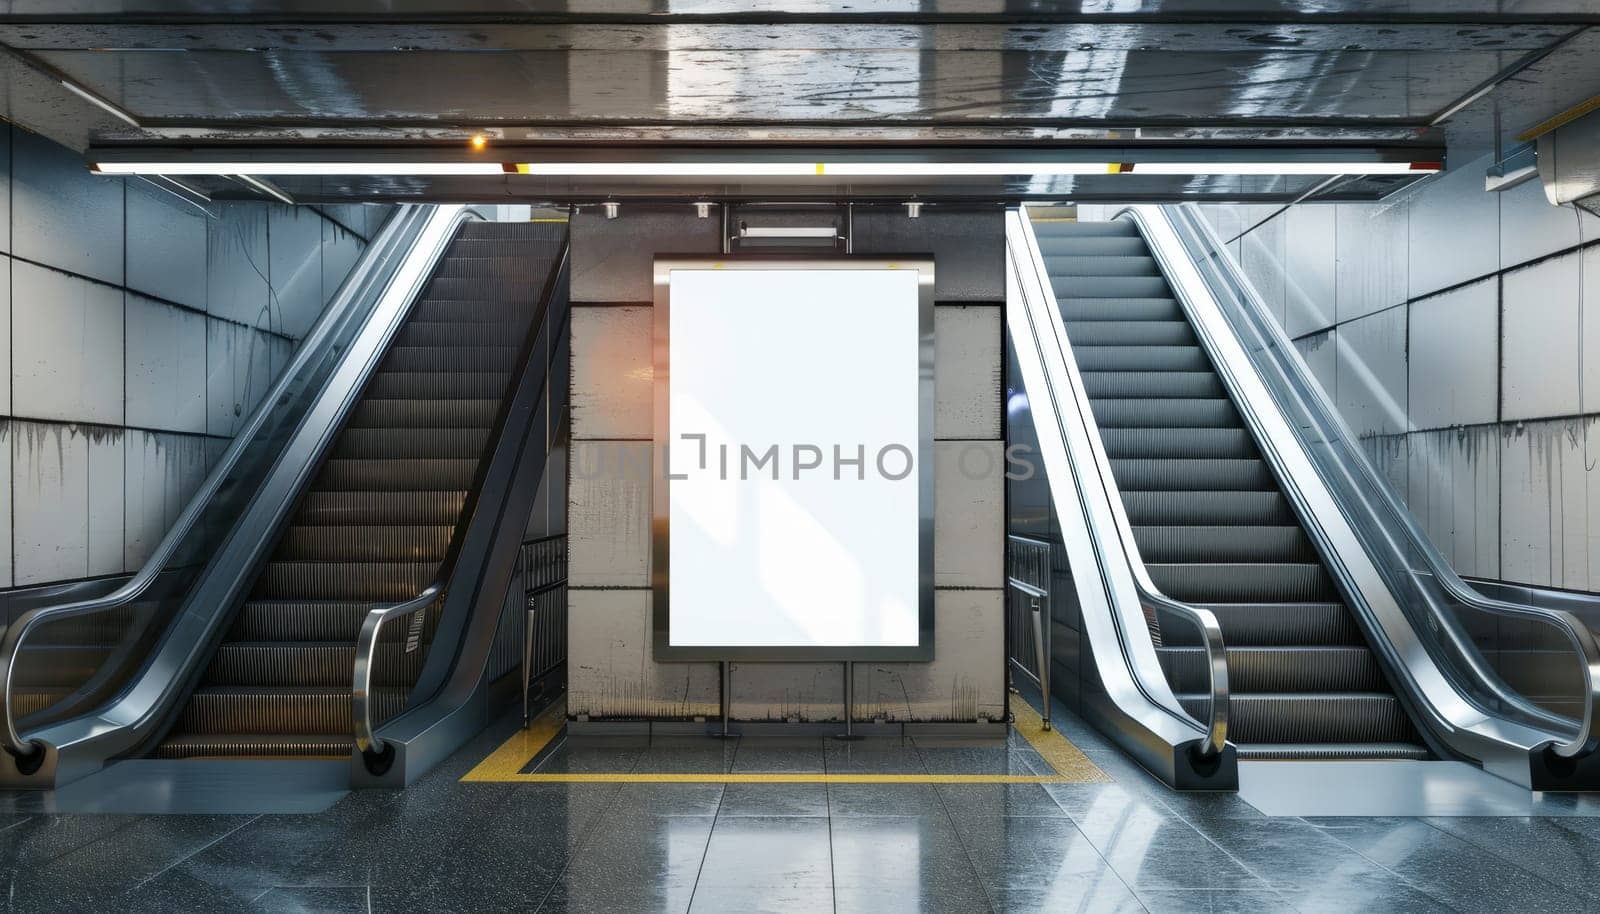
x=1561, y=120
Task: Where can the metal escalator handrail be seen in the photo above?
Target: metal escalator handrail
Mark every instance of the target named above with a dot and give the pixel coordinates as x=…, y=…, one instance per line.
x=398, y=232
x=372, y=747
x=1215, y=725
x=1584, y=740
x=368, y=742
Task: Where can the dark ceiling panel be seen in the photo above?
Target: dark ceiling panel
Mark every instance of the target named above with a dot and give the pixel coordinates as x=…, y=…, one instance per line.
x=789, y=9
x=778, y=87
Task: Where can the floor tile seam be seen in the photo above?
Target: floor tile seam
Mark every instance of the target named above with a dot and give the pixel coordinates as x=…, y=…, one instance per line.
x=705, y=852
x=189, y=856
x=1401, y=877
x=972, y=864
x=583, y=842
x=1490, y=849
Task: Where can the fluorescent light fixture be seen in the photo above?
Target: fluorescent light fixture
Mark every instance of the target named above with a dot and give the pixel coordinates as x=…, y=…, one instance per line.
x=775, y=169
x=299, y=168
x=1283, y=168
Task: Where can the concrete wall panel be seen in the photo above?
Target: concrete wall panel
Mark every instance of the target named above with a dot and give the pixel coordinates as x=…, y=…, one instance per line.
x=50, y=501
x=1542, y=340
x=612, y=372
x=236, y=265
x=1454, y=492
x=967, y=371
x=1454, y=230
x=166, y=240
x=1548, y=500
x=969, y=514
x=166, y=366
x=1371, y=373
x=609, y=513
x=965, y=681
x=1373, y=257
x=161, y=471
x=1309, y=245
x=67, y=347
x=294, y=267
x=62, y=215
x=1531, y=228
x=610, y=673
x=612, y=258
x=1455, y=357
x=804, y=692
x=968, y=247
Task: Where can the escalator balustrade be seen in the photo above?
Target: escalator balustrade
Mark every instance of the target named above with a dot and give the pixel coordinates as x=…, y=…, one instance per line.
x=1211, y=522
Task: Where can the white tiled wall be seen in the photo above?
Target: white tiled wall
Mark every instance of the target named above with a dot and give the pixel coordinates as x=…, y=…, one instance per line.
x=136, y=333
x=1459, y=333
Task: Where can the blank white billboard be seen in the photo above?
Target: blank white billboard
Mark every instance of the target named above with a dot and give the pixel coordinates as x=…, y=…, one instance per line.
x=796, y=503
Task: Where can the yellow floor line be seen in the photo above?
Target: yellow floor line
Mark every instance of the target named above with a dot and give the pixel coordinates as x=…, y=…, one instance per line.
x=505, y=765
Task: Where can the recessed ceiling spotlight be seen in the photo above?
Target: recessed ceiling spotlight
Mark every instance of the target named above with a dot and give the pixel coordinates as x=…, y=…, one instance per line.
x=479, y=142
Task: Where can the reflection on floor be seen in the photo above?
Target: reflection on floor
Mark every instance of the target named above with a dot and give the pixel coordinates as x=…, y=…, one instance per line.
x=544, y=753
x=1125, y=844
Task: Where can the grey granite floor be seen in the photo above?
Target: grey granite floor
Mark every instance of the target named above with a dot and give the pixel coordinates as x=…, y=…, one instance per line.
x=1129, y=845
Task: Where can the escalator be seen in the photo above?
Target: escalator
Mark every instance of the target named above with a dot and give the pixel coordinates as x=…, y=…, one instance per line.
x=1240, y=583
x=388, y=474
x=1211, y=522
x=381, y=515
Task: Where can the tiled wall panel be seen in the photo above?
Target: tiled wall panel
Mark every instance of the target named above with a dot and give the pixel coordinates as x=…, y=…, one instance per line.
x=1467, y=341
x=129, y=351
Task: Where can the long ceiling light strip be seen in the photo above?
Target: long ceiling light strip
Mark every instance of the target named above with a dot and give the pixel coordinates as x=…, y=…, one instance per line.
x=765, y=169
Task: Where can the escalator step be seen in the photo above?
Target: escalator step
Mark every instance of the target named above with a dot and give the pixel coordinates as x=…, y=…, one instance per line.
x=1141, y=358
x=1057, y=232
x=1274, y=624
x=1067, y=267
x=461, y=359
x=1111, y=287
x=1243, y=583
x=251, y=745
x=438, y=385
x=1277, y=669
x=316, y=620
x=377, y=581
x=1101, y=246
x=387, y=507
x=1118, y=310
x=383, y=476
x=470, y=307
x=520, y=270
x=1130, y=333
x=452, y=333
x=548, y=233
x=1178, y=474
x=1207, y=509
x=1352, y=717
x=1213, y=412
x=1223, y=543
x=1152, y=384
x=413, y=443
x=1194, y=442
x=1302, y=752
x=264, y=711
x=354, y=543
x=290, y=664
x=398, y=414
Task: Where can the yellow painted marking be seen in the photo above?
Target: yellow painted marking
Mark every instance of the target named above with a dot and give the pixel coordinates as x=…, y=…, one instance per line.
x=505, y=765
x=715, y=778
x=819, y=168
x=562, y=219
x=1067, y=760
x=1561, y=120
